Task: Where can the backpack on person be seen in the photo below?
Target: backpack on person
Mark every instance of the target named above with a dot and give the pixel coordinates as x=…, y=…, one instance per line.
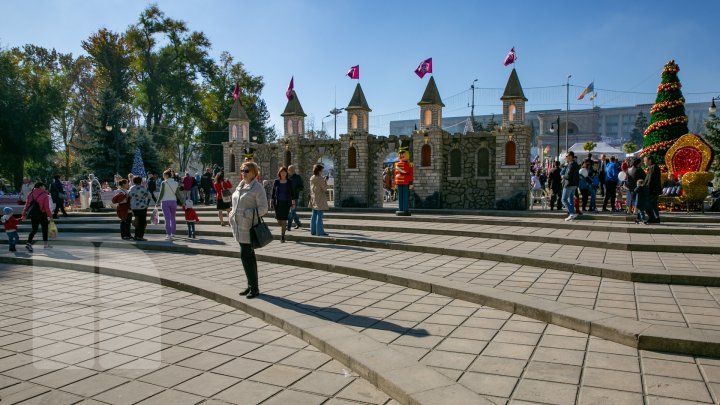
x=33, y=211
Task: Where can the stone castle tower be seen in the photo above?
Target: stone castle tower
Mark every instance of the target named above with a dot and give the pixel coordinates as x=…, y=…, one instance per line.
x=512, y=148
x=357, y=175
x=428, y=156
x=238, y=138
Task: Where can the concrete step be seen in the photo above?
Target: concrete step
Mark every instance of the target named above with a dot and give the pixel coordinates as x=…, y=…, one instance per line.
x=379, y=234
x=637, y=334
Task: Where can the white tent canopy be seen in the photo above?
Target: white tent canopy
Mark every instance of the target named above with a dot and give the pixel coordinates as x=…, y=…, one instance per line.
x=600, y=148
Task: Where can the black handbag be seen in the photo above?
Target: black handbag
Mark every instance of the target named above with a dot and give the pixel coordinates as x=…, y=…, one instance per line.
x=259, y=233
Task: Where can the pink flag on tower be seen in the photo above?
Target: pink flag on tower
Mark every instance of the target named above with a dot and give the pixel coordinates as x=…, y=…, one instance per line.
x=291, y=87
x=424, y=67
x=236, y=92
x=354, y=72
x=511, y=57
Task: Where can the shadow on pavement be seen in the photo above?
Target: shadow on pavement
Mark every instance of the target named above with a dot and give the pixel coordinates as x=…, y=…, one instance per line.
x=342, y=317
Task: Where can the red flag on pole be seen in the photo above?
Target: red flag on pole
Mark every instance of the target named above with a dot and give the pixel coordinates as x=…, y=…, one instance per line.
x=291, y=87
x=354, y=72
x=424, y=67
x=511, y=57
x=236, y=92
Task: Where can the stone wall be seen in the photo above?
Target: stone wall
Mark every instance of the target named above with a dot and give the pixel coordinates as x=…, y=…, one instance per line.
x=502, y=186
x=472, y=189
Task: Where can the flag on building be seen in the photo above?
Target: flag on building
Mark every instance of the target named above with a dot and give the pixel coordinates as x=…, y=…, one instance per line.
x=291, y=87
x=354, y=72
x=594, y=96
x=236, y=92
x=589, y=89
x=424, y=67
x=511, y=57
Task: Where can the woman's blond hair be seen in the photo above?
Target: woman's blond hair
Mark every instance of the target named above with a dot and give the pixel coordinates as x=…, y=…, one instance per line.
x=252, y=166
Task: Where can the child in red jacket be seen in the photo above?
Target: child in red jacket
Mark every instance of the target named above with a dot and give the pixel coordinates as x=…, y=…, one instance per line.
x=190, y=217
x=10, y=223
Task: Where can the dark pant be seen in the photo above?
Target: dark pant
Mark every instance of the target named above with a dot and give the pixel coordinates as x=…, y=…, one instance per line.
x=293, y=216
x=191, y=229
x=556, y=200
x=585, y=195
x=13, y=239
x=653, y=212
x=403, y=197
x=125, y=225
x=610, y=194
x=247, y=255
x=206, y=194
x=59, y=206
x=141, y=216
x=35, y=222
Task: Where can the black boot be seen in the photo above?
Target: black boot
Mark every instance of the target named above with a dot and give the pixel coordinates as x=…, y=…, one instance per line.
x=245, y=291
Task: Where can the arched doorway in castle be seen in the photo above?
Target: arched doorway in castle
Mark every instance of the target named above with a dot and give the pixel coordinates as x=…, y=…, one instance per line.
x=388, y=180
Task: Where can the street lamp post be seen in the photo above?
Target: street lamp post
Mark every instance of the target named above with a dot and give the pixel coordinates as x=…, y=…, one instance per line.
x=556, y=128
x=335, y=111
x=713, y=108
x=567, y=109
x=472, y=108
x=123, y=130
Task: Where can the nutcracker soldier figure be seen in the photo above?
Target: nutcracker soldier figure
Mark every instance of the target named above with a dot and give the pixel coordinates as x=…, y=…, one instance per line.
x=403, y=179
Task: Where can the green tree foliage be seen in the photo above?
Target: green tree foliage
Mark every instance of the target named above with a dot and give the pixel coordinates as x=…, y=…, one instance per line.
x=589, y=146
x=156, y=78
x=491, y=124
x=641, y=123
x=630, y=147
x=29, y=101
x=106, y=153
x=667, y=117
x=217, y=102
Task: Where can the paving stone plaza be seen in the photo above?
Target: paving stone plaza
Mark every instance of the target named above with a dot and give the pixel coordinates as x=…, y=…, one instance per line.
x=436, y=308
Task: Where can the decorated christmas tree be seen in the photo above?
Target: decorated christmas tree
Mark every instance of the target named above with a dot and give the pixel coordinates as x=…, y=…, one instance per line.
x=138, y=167
x=667, y=116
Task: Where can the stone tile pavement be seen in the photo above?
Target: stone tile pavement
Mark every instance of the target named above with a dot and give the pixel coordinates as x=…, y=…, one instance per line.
x=673, y=305
x=502, y=356
x=68, y=337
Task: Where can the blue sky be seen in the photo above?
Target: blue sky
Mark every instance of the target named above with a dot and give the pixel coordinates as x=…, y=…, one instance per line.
x=620, y=45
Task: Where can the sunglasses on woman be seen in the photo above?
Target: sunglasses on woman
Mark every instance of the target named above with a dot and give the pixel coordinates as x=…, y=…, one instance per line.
x=245, y=171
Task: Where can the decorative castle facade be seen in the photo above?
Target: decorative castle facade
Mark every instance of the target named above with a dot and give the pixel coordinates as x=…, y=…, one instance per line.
x=477, y=170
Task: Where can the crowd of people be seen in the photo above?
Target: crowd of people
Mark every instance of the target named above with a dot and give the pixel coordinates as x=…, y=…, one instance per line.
x=631, y=186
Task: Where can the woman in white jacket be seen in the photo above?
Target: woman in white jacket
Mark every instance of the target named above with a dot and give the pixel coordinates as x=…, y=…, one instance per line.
x=249, y=202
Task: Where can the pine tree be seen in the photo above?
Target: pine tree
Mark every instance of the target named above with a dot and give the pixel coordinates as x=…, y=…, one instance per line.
x=103, y=147
x=151, y=158
x=641, y=123
x=667, y=116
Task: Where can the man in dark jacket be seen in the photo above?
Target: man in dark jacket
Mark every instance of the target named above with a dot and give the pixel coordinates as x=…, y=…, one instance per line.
x=655, y=187
x=296, y=186
x=571, y=179
x=206, y=184
x=555, y=185
x=601, y=173
x=56, y=192
x=152, y=185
